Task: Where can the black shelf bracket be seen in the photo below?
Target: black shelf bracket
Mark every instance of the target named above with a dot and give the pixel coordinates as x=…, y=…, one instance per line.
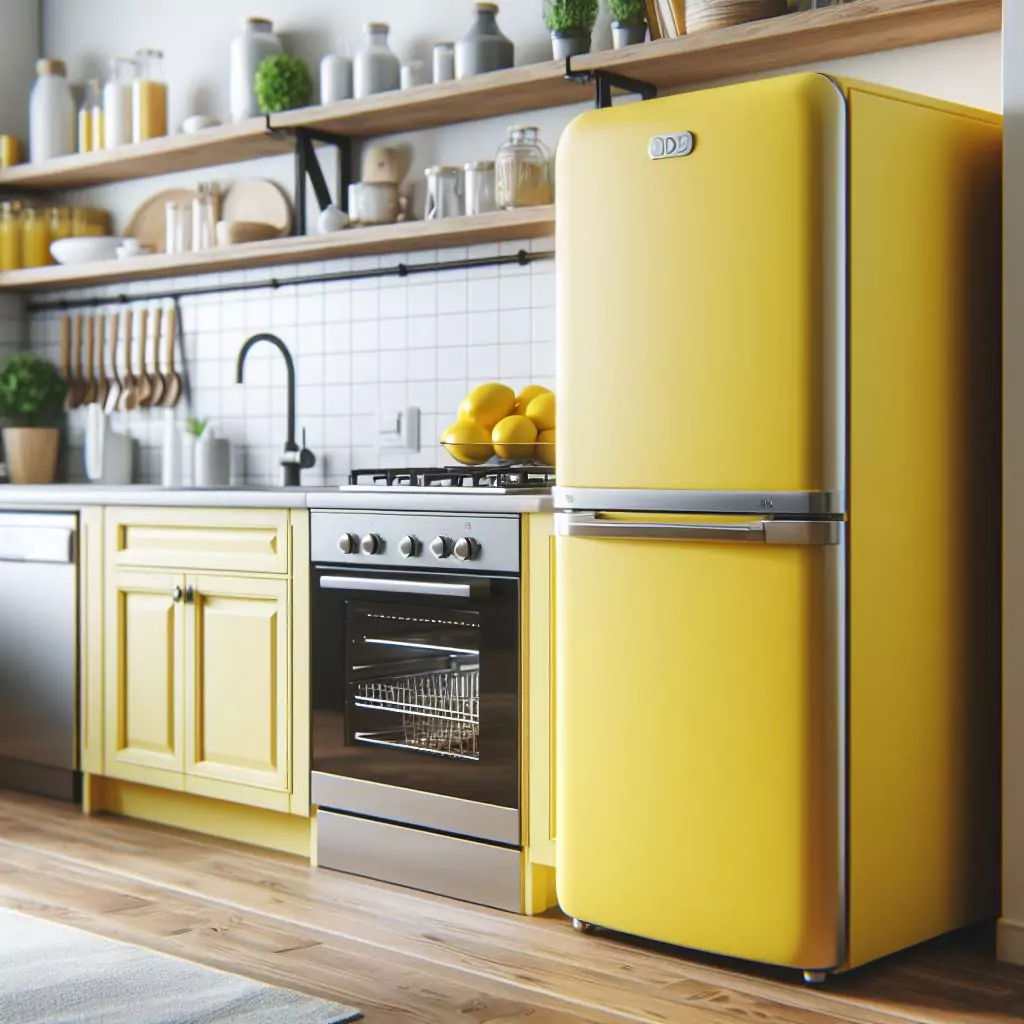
x=307, y=165
x=605, y=81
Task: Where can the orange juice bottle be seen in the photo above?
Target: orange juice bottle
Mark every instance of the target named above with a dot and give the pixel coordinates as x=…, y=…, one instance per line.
x=149, y=97
x=35, y=238
x=10, y=236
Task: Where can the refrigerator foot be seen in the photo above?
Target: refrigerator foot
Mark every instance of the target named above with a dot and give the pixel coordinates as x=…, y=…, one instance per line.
x=815, y=977
x=582, y=926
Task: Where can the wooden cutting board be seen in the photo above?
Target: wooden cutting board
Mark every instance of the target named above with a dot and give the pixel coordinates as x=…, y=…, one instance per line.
x=259, y=201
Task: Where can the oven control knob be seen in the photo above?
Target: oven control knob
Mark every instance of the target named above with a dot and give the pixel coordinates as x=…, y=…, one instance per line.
x=408, y=547
x=466, y=549
x=370, y=544
x=441, y=547
x=348, y=544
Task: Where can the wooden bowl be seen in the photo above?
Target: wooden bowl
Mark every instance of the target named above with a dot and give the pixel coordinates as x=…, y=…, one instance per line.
x=235, y=232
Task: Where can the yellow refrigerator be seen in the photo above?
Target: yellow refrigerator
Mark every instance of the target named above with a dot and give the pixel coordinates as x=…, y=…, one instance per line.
x=777, y=555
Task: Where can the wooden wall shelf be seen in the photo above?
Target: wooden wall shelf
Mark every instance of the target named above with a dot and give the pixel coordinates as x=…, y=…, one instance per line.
x=507, y=225
x=841, y=31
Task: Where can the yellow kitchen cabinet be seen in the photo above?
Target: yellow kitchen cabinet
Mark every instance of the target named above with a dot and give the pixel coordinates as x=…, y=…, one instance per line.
x=144, y=678
x=237, y=708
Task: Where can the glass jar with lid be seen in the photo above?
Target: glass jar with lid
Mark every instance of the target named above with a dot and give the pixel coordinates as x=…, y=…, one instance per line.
x=522, y=170
x=60, y=222
x=35, y=237
x=117, y=102
x=149, y=97
x=10, y=236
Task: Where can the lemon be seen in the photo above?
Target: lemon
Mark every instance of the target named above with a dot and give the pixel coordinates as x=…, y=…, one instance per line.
x=468, y=441
x=527, y=395
x=546, y=447
x=513, y=437
x=542, y=411
x=487, y=404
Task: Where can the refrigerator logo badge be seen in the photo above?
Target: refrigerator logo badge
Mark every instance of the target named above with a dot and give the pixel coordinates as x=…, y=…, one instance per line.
x=673, y=144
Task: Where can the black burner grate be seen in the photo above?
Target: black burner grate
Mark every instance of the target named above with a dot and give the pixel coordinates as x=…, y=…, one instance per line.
x=506, y=477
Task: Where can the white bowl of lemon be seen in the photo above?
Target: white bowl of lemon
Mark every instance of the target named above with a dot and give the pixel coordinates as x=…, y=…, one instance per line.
x=494, y=421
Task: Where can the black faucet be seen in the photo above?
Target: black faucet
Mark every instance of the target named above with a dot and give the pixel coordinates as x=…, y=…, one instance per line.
x=294, y=459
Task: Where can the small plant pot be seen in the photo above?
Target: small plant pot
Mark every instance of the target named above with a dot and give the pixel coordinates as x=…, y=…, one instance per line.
x=570, y=43
x=627, y=35
x=31, y=454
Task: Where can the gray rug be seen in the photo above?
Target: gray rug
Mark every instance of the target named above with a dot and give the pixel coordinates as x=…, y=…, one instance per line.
x=53, y=974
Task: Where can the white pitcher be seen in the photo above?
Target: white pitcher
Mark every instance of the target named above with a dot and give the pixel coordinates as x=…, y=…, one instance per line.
x=108, y=455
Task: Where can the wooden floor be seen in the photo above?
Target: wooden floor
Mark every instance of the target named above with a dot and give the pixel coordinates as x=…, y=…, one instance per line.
x=402, y=957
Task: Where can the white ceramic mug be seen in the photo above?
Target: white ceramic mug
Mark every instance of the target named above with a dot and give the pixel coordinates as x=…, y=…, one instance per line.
x=373, y=202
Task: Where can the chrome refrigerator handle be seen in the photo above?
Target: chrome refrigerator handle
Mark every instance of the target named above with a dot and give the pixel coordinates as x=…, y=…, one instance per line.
x=478, y=588
x=763, y=531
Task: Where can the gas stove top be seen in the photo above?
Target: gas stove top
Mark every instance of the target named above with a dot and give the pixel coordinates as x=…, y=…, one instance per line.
x=490, y=479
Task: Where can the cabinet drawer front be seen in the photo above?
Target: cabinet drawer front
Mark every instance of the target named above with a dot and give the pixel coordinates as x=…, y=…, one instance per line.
x=227, y=540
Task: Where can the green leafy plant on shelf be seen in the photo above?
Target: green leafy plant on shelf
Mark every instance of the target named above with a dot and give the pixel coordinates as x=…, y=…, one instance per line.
x=282, y=83
x=570, y=15
x=628, y=12
x=31, y=391
x=196, y=427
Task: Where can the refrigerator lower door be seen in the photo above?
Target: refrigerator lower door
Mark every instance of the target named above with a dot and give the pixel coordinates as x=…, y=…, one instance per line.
x=700, y=721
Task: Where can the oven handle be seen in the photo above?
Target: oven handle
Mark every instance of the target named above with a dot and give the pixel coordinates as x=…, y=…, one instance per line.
x=428, y=588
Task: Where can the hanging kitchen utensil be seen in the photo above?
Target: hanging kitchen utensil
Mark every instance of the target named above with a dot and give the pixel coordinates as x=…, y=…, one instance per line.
x=102, y=379
x=76, y=388
x=90, y=388
x=114, y=394
x=172, y=391
x=145, y=386
x=65, y=358
x=130, y=391
x=156, y=378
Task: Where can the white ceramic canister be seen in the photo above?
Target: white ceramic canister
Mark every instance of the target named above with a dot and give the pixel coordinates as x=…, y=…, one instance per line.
x=479, y=187
x=211, y=457
x=335, y=78
x=444, y=193
x=443, y=62
x=51, y=113
x=247, y=53
x=375, y=68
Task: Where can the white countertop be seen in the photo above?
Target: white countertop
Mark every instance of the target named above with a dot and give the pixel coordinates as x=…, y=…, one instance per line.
x=395, y=499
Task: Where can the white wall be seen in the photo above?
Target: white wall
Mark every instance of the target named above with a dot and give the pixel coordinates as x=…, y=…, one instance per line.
x=1011, y=926
x=19, y=49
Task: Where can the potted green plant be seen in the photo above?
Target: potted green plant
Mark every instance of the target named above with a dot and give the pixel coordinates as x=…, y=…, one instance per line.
x=282, y=82
x=570, y=23
x=629, y=22
x=31, y=399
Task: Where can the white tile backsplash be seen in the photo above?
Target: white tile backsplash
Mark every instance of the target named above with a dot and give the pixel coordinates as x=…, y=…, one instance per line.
x=358, y=346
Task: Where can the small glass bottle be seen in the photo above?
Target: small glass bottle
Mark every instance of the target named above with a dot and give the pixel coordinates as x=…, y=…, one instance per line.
x=35, y=236
x=149, y=97
x=522, y=170
x=10, y=237
x=86, y=117
x=117, y=102
x=205, y=215
x=95, y=92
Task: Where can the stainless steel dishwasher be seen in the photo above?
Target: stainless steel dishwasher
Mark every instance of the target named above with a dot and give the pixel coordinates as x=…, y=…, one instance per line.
x=39, y=653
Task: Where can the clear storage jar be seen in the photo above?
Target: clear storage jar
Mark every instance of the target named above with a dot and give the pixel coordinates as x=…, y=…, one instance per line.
x=522, y=170
x=117, y=102
x=35, y=238
x=10, y=237
x=149, y=97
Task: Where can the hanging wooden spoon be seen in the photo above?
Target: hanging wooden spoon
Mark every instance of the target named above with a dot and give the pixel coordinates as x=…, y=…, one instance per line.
x=156, y=378
x=172, y=382
x=130, y=390
x=145, y=387
x=102, y=379
x=65, y=358
x=89, y=393
x=77, y=387
x=114, y=395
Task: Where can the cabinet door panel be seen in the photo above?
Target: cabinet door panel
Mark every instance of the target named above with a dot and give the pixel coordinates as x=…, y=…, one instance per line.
x=143, y=679
x=237, y=688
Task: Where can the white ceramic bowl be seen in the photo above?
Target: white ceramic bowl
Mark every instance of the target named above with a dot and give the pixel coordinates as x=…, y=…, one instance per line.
x=91, y=249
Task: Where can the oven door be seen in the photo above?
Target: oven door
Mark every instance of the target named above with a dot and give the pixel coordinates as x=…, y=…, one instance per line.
x=416, y=699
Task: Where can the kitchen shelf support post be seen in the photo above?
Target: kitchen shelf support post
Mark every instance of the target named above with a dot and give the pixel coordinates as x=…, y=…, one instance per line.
x=605, y=81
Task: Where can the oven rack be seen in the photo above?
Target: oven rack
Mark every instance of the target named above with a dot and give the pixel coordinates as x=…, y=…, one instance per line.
x=446, y=696
x=463, y=747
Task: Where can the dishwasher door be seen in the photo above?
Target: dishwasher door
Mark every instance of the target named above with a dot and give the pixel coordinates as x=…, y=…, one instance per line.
x=39, y=639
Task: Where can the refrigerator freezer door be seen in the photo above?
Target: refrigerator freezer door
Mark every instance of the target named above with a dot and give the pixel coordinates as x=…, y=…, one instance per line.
x=701, y=319
x=700, y=733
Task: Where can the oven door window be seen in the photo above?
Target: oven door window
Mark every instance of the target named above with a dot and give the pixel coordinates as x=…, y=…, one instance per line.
x=414, y=680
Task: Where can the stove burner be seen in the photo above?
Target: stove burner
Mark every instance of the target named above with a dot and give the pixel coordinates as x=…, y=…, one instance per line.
x=506, y=477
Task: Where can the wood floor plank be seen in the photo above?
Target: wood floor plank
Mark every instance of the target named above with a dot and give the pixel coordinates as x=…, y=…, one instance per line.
x=524, y=966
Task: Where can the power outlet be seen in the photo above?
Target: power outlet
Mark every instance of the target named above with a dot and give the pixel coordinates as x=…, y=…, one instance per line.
x=399, y=428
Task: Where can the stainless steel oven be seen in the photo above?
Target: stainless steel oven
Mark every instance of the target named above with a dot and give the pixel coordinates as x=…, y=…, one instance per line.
x=415, y=659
